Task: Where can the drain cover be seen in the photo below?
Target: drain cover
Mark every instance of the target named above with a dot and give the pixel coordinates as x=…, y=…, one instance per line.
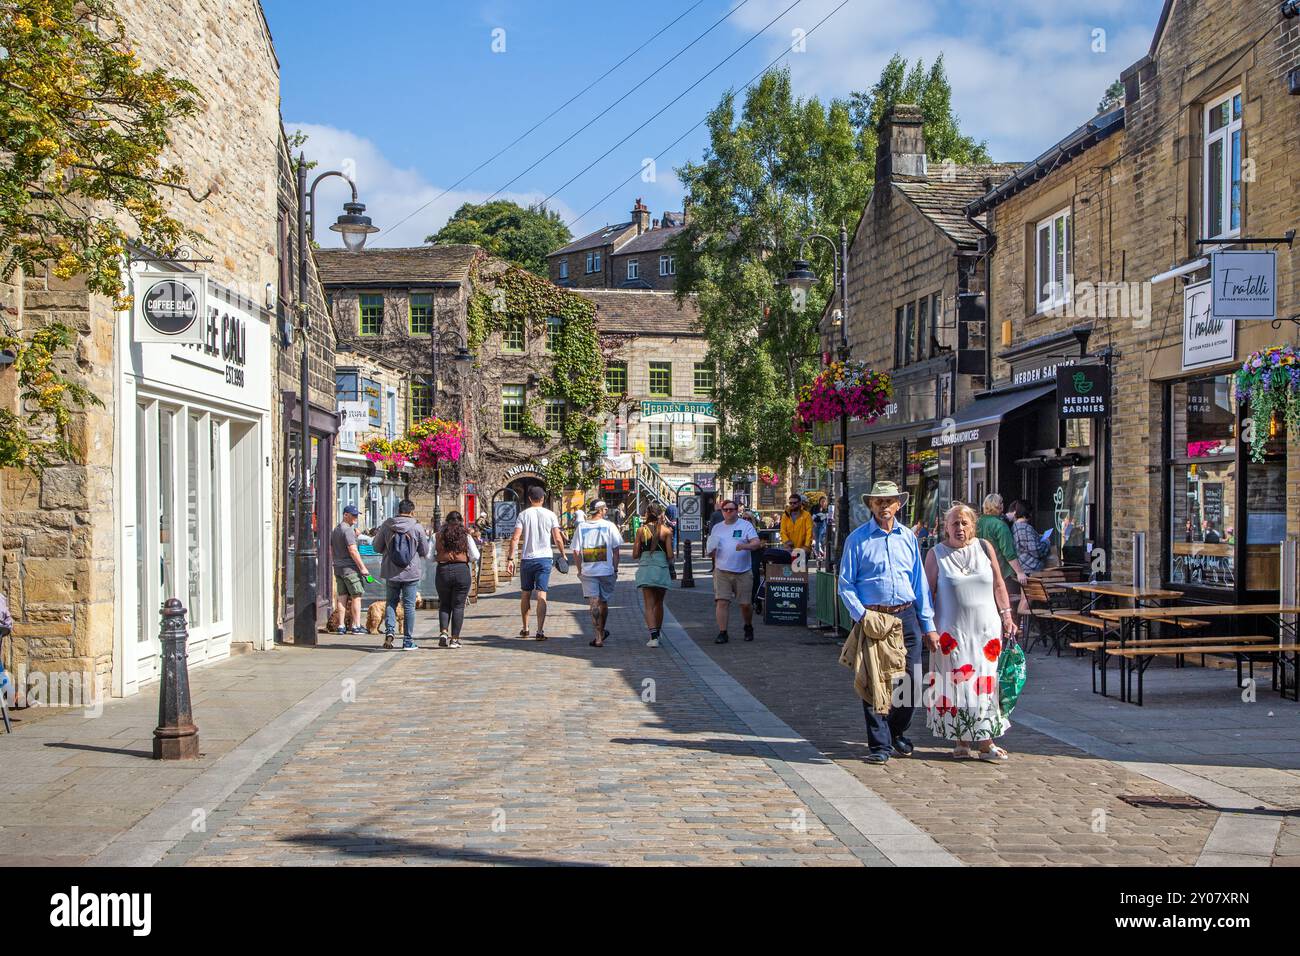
x=1165, y=803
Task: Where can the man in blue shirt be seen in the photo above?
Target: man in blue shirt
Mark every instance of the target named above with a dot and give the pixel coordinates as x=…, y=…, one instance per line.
x=881, y=570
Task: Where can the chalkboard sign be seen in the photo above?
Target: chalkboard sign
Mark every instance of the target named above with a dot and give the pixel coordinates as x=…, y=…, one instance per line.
x=786, y=602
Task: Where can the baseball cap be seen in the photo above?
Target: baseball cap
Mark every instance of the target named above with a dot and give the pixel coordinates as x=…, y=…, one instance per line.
x=351, y=510
x=598, y=505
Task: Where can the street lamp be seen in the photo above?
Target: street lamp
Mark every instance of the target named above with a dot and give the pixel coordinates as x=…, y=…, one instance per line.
x=802, y=277
x=355, y=228
x=439, y=340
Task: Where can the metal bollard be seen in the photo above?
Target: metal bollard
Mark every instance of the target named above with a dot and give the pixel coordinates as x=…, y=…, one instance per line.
x=176, y=737
x=688, y=575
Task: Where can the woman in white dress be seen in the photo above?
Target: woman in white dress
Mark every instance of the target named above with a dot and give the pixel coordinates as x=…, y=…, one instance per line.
x=973, y=619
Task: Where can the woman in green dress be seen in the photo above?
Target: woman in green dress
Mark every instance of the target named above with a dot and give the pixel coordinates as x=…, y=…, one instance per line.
x=651, y=549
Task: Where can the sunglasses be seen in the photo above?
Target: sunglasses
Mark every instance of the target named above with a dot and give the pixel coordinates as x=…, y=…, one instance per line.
x=728, y=509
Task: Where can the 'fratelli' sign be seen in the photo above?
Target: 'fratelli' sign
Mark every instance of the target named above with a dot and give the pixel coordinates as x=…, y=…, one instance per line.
x=1245, y=284
x=1208, y=339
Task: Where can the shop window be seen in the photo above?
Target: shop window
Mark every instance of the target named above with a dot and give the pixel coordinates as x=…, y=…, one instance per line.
x=706, y=442
x=1078, y=433
x=922, y=511
x=1203, y=483
x=372, y=314
x=1052, y=261
x=661, y=440
x=512, y=334
x=421, y=314
x=704, y=379
x=661, y=379
x=512, y=408
x=553, y=326
x=1266, y=512
x=616, y=378
x=1222, y=167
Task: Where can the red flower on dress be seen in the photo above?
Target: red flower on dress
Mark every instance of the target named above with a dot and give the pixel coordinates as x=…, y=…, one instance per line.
x=993, y=649
x=946, y=707
x=947, y=643
x=986, y=684
x=964, y=673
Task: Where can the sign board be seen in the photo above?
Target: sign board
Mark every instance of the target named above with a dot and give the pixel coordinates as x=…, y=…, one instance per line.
x=837, y=456
x=471, y=487
x=169, y=306
x=503, y=518
x=742, y=499
x=1212, y=504
x=1208, y=339
x=679, y=413
x=616, y=485
x=355, y=416
x=683, y=438
x=1245, y=284
x=1083, y=391
x=706, y=481
x=689, y=520
x=785, y=601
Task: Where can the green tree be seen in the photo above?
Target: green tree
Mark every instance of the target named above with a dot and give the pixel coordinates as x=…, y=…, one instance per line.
x=930, y=90
x=524, y=236
x=1113, y=97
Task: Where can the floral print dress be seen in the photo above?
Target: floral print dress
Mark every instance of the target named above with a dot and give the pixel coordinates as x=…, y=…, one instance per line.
x=962, y=697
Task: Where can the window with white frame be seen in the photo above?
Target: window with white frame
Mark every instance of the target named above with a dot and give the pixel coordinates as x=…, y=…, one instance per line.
x=1052, y=261
x=593, y=262
x=633, y=269
x=1221, y=196
x=668, y=265
x=564, y=268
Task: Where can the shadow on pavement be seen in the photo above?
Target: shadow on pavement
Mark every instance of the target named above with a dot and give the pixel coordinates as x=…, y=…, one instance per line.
x=365, y=845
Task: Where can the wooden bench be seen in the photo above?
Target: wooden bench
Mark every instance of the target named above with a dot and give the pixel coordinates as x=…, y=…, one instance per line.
x=1146, y=651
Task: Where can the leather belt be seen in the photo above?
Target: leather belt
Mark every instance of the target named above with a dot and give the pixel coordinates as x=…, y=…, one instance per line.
x=887, y=609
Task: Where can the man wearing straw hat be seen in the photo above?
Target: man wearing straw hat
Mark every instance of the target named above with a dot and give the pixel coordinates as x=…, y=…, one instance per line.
x=881, y=570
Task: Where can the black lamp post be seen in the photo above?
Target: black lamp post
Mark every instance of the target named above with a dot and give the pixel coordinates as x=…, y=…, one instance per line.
x=451, y=341
x=802, y=276
x=355, y=227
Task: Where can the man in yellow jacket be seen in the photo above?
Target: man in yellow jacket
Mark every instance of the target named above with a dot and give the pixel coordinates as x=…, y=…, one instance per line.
x=796, y=525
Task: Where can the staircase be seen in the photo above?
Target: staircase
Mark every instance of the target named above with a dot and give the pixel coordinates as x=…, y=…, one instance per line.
x=651, y=484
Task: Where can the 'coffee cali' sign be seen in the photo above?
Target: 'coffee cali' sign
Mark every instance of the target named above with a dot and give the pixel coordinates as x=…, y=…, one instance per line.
x=1245, y=285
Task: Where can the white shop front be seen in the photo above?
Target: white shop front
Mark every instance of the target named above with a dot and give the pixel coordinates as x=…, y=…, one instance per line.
x=193, y=468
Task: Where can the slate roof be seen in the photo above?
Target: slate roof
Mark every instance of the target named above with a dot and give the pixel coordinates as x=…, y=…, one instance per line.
x=650, y=241
x=944, y=203
x=642, y=311
x=601, y=237
x=409, y=264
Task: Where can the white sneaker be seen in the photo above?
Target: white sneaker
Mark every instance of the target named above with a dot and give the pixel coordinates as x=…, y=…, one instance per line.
x=653, y=642
x=442, y=639
x=455, y=642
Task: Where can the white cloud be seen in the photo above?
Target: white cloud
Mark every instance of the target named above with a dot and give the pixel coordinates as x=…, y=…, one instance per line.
x=391, y=193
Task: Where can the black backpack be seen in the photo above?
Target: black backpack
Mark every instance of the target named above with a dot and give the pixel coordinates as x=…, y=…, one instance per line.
x=402, y=549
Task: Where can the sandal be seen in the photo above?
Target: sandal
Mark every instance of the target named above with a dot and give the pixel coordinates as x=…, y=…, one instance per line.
x=523, y=632
x=994, y=753
x=596, y=643
x=540, y=636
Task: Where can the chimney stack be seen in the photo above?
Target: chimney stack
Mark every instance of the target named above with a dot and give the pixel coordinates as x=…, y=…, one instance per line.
x=641, y=216
x=900, y=149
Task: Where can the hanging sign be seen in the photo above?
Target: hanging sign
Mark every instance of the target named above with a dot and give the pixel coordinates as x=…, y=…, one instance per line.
x=355, y=416
x=1208, y=339
x=1245, y=284
x=1082, y=391
x=169, y=306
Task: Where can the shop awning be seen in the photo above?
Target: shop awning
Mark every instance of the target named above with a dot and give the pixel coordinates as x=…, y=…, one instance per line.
x=979, y=420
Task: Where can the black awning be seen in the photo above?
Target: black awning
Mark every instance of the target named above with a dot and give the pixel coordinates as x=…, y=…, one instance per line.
x=979, y=420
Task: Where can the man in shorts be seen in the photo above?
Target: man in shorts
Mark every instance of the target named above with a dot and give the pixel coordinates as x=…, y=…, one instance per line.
x=733, y=580
x=350, y=572
x=535, y=531
x=596, y=544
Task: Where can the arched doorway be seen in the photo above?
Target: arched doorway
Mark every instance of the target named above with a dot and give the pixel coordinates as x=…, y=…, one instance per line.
x=523, y=484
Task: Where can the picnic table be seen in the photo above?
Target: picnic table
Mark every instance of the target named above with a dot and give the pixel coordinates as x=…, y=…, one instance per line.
x=1117, y=590
x=1134, y=622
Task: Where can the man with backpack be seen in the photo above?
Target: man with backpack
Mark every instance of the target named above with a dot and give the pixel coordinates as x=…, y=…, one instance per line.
x=404, y=545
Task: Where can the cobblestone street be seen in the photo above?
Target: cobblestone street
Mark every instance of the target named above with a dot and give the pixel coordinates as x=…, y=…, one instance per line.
x=517, y=752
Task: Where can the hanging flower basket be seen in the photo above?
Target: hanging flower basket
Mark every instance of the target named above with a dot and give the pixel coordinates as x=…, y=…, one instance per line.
x=844, y=387
x=767, y=476
x=436, y=440
x=393, y=453
x=1269, y=381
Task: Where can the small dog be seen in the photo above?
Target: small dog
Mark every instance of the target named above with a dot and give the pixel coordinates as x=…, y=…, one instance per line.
x=375, y=615
x=332, y=625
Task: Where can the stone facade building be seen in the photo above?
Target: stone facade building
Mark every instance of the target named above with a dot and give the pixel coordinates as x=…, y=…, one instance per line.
x=171, y=490
x=1204, y=160
x=627, y=255
x=915, y=282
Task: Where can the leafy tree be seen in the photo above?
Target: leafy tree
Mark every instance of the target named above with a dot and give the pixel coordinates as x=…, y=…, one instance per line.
x=524, y=236
x=82, y=130
x=1113, y=97
x=779, y=170
x=928, y=89
x=296, y=141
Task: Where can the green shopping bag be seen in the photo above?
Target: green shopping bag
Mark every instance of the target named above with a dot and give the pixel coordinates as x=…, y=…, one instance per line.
x=1011, y=676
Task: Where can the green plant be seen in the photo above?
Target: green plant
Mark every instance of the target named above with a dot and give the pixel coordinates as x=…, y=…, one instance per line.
x=41, y=437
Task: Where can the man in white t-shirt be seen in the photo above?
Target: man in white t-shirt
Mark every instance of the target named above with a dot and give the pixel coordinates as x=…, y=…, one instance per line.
x=595, y=554
x=729, y=545
x=536, y=529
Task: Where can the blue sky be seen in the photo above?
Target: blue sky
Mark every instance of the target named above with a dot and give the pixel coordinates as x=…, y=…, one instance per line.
x=411, y=96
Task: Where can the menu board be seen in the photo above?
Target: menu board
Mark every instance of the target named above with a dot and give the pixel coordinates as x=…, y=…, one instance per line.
x=786, y=601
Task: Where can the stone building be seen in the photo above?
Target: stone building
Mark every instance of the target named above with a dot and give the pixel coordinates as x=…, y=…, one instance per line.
x=171, y=491
x=627, y=255
x=915, y=284
x=383, y=389
x=1204, y=162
